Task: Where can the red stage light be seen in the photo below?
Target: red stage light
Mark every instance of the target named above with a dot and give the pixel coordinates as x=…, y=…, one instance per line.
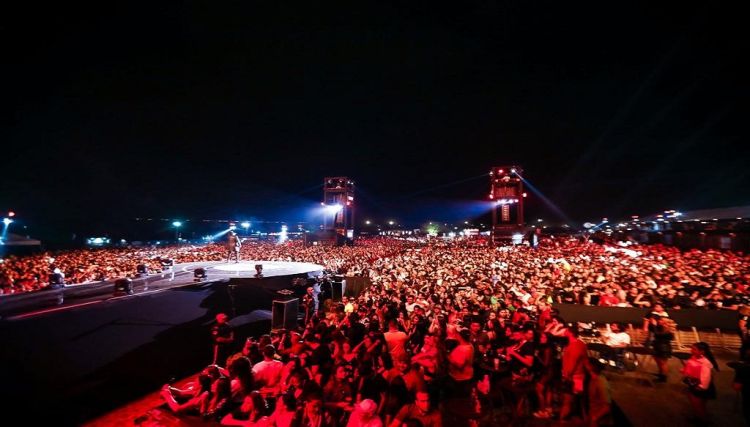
x=524, y=194
x=11, y=214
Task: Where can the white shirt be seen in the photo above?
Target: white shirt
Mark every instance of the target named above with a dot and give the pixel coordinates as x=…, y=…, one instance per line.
x=617, y=339
x=268, y=372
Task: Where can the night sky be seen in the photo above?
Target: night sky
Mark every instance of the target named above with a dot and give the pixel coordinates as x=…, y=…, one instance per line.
x=239, y=109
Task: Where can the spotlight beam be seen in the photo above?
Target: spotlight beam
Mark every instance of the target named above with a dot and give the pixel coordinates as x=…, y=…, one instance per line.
x=547, y=201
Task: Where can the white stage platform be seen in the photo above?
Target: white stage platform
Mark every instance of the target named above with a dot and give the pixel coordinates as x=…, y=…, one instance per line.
x=270, y=268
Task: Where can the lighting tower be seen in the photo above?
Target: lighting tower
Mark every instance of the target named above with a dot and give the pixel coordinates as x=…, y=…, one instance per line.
x=506, y=191
x=338, y=199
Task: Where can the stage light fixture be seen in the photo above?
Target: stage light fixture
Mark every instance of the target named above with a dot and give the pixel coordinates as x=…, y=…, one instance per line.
x=124, y=285
x=56, y=280
x=199, y=274
x=142, y=269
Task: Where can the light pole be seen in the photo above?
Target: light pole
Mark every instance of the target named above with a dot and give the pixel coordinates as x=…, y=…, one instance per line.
x=177, y=225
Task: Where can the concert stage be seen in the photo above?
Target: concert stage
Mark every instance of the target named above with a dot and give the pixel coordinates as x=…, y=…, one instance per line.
x=97, y=351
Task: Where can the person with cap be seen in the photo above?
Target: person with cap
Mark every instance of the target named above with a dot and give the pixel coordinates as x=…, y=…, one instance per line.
x=364, y=415
x=223, y=337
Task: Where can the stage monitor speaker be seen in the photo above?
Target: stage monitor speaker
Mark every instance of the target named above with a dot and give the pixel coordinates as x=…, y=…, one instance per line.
x=142, y=269
x=355, y=286
x=338, y=289
x=56, y=280
x=124, y=285
x=284, y=314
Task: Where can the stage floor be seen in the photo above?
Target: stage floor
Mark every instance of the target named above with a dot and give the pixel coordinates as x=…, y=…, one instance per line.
x=270, y=268
x=74, y=296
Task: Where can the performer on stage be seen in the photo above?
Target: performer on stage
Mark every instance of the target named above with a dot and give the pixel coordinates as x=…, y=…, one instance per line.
x=234, y=244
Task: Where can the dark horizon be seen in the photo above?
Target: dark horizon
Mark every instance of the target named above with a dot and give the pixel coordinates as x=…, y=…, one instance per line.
x=196, y=112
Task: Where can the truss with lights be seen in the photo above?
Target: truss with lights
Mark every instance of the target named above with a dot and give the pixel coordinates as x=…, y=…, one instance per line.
x=506, y=192
x=338, y=201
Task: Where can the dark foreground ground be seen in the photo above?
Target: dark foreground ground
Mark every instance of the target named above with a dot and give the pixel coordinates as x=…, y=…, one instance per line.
x=71, y=366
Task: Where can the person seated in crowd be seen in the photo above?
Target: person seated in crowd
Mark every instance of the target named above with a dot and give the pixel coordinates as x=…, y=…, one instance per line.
x=210, y=400
x=239, y=370
x=617, y=340
x=615, y=336
x=250, y=414
x=192, y=400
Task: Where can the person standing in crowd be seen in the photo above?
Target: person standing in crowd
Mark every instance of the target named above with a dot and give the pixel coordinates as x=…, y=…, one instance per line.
x=421, y=410
x=662, y=346
x=575, y=364
x=461, y=366
x=364, y=415
x=600, y=399
x=234, y=245
x=222, y=335
x=396, y=340
x=651, y=320
x=741, y=384
x=311, y=302
x=699, y=379
x=744, y=332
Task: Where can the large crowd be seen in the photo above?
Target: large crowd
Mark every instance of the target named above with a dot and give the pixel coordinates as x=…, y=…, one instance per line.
x=446, y=331
x=449, y=331
x=559, y=270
